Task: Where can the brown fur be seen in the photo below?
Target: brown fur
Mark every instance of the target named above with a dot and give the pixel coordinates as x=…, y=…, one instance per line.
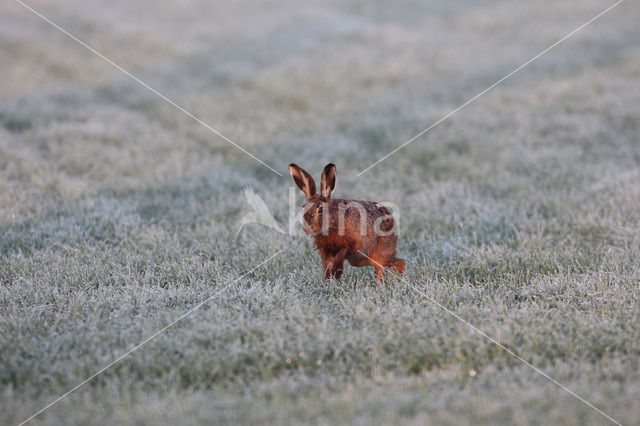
x=362, y=232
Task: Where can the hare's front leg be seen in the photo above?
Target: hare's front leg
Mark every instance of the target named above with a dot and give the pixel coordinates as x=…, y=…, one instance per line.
x=338, y=263
x=333, y=265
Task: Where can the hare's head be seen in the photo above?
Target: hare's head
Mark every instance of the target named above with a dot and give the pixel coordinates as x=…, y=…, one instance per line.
x=316, y=208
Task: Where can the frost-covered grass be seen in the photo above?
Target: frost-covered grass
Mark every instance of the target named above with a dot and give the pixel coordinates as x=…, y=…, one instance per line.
x=520, y=213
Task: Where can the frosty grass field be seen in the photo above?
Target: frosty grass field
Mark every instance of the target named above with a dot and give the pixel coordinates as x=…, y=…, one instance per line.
x=118, y=212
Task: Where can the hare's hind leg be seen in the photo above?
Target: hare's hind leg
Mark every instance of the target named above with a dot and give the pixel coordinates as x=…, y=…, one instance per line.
x=379, y=273
x=398, y=265
x=386, y=252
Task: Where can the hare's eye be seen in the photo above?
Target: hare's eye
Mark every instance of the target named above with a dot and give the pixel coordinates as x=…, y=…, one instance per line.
x=319, y=209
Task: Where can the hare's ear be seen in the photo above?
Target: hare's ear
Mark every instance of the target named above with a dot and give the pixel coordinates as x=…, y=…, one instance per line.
x=303, y=179
x=328, y=183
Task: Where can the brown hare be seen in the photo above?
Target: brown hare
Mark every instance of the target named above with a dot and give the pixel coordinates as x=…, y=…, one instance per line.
x=362, y=232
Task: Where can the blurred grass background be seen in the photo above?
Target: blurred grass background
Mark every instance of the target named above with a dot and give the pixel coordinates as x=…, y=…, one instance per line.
x=118, y=212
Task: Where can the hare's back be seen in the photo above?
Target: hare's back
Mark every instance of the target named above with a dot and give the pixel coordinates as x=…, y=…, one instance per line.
x=353, y=212
x=371, y=208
